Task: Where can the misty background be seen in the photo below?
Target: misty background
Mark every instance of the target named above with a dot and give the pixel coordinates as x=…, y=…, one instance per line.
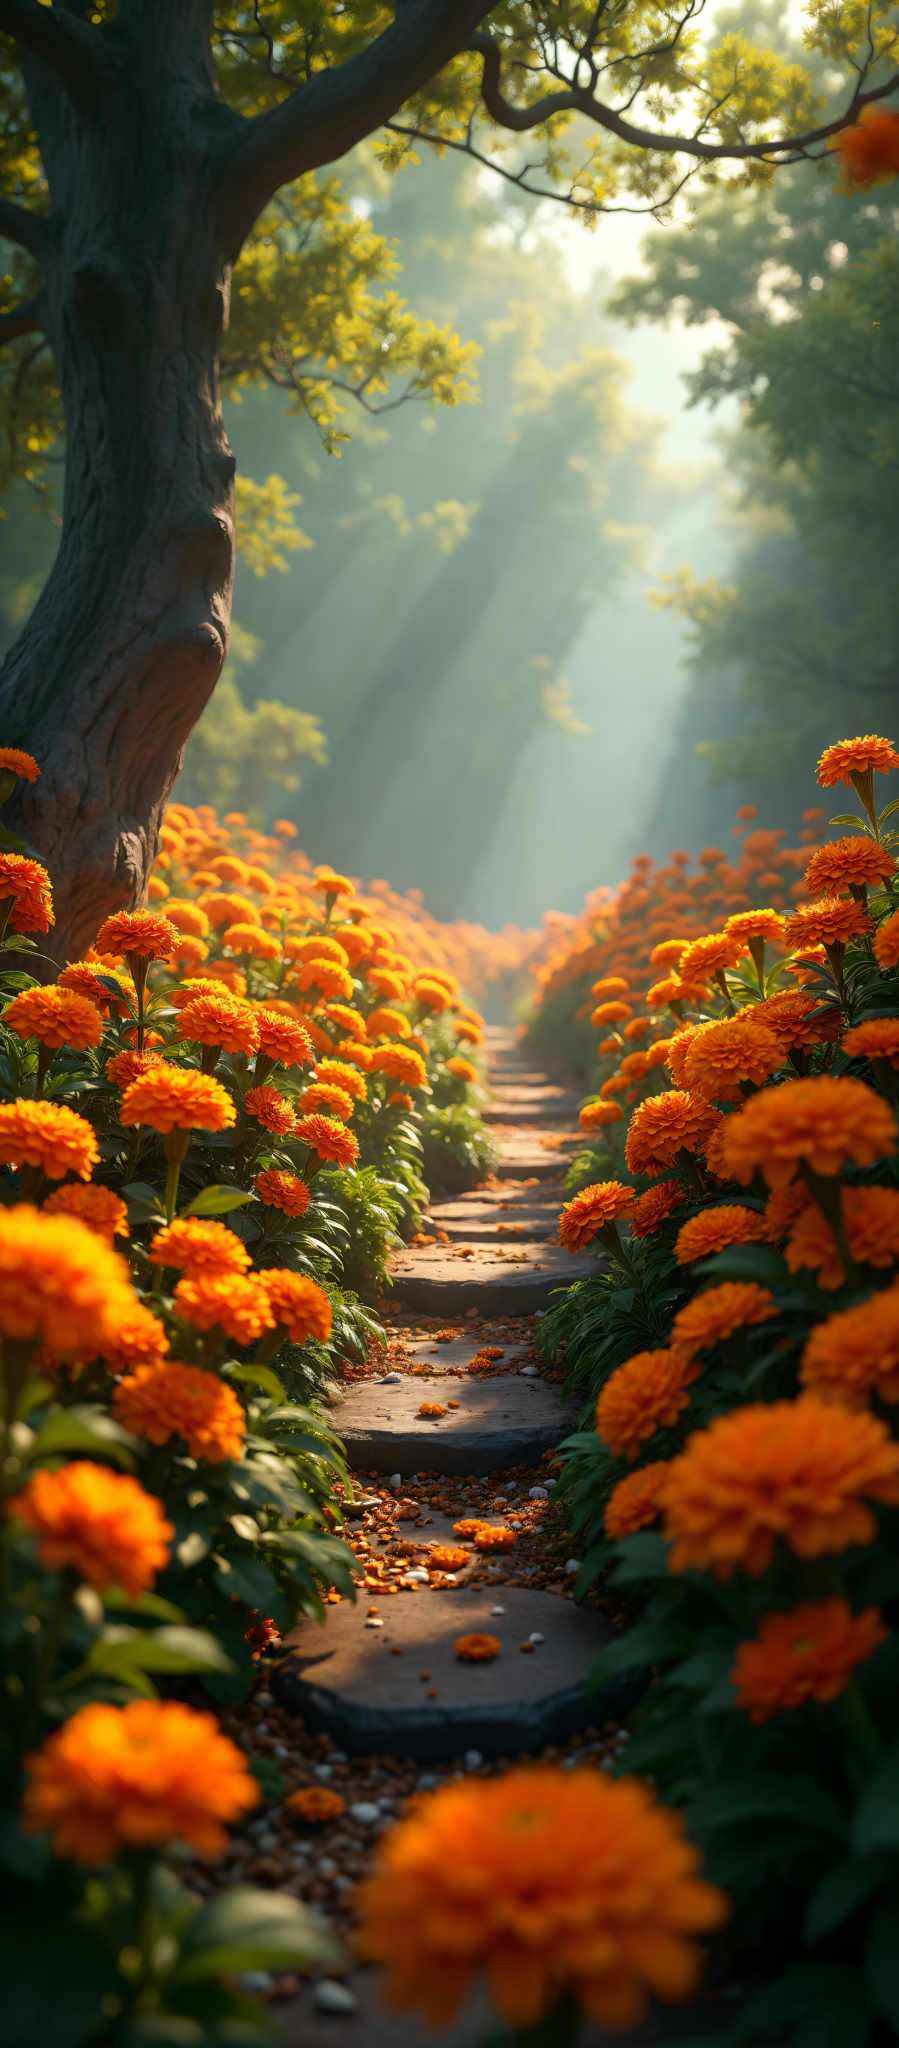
x=643, y=579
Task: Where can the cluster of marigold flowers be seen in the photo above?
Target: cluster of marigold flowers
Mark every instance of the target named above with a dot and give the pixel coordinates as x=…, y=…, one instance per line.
x=772, y=1123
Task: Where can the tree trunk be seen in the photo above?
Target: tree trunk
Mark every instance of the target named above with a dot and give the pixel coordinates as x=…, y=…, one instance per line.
x=128, y=638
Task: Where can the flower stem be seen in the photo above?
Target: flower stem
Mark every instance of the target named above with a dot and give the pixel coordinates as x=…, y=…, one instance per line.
x=559, y=2029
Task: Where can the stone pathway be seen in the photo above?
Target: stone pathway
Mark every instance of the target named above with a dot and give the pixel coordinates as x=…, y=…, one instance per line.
x=377, y=1688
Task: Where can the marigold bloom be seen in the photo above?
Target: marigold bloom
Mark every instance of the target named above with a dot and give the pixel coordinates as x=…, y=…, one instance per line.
x=283, y=1191
x=609, y=985
x=97, y=1523
x=346, y=1019
x=644, y=1394
x=431, y=1408
x=251, y=942
x=136, y=1338
x=319, y=947
x=871, y=1219
x=591, y=1210
x=848, y=758
x=869, y=152
x=343, y=1076
x=709, y=955
x=853, y=863
x=330, y=884
x=330, y=1140
x=547, y=1881
x=314, y=1804
x=722, y=1055
x=223, y=909
x=84, y=979
x=610, y=1013
x=188, y=917
x=461, y=1070
x=808, y=1654
x=711, y=1318
x=384, y=1022
x=488, y=1538
x=747, y=925
x=114, y=1778
x=297, y=1304
x=796, y=1472
x=667, y=953
x=282, y=1039
x=48, y=1135
x=668, y=991
x=799, y=1020
x=94, y=1205
x=469, y=1526
x=139, y=934
x=17, y=762
x=326, y=1096
x=59, y=1282
x=26, y=885
x=832, y=921
x=855, y=1353
x=665, y=1125
x=654, y=1207
x=271, y=1109
x=323, y=975
x=448, y=1557
x=401, y=1063
x=477, y=1649
x=714, y=1230
x=678, y=1046
x=877, y=1039
x=56, y=1017
x=886, y=942
x=166, y=1399
x=595, y=1114
x=220, y=1019
x=823, y=1124
x=236, y=1303
x=195, y=1244
x=636, y=1502
x=125, y=1067
x=172, y=1098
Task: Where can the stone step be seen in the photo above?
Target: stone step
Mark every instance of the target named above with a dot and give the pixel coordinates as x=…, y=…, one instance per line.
x=529, y=1155
x=496, y=1215
x=501, y=1419
x=531, y=1105
x=515, y=1279
x=345, y=1680
x=371, y=2025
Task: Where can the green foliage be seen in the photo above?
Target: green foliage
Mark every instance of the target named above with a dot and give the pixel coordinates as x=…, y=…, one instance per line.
x=457, y=1149
x=372, y=1208
x=246, y=757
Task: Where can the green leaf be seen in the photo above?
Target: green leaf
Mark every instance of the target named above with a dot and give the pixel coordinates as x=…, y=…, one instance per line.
x=257, y=1376
x=883, y=1960
x=139, y=1195
x=55, y=1978
x=821, y=2005
x=218, y=1200
x=127, y=1652
x=82, y=1428
x=647, y=1644
x=841, y=1891
x=250, y=1582
x=243, y=1929
x=875, y=1823
x=644, y=1556
x=191, y=1549
x=764, y=1796
x=244, y=1527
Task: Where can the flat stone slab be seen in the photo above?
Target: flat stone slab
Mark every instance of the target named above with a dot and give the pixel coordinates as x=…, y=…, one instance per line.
x=372, y=2025
x=345, y=1680
x=529, y=1103
x=514, y=1279
x=494, y=1213
x=501, y=1420
x=460, y=1350
x=527, y=1155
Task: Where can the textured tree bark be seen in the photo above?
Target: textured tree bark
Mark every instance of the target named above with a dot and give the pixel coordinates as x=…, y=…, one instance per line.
x=128, y=638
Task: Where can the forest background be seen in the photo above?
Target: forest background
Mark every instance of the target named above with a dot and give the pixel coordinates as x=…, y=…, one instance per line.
x=516, y=641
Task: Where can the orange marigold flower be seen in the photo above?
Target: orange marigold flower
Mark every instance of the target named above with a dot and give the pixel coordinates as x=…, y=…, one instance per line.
x=176, y=1098
x=477, y=1649
x=547, y=1881
x=610, y=1013
x=823, y=1124
x=832, y=921
x=709, y=955
x=84, y=978
x=461, y=1070
x=469, y=1034
x=330, y=884
x=343, y=1076
x=431, y=1408
x=644, y=1394
x=799, y=1020
x=325, y=976
x=871, y=1219
x=756, y=924
x=448, y=1557
x=59, y=1282
x=314, y=1804
x=487, y=1538
x=469, y=1526
x=48, y=1135
x=346, y=1019
x=237, y=1303
x=319, y=947
x=282, y=1191
x=94, y=1205
x=325, y=1095
x=251, y=942
x=97, y=1523
x=848, y=758
x=655, y=1206
x=713, y=1230
x=56, y=1017
x=667, y=953
x=139, y=934
x=188, y=917
x=282, y=1039
x=591, y=1210
x=610, y=985
x=298, y=1305
x=26, y=885
x=330, y=1140
x=877, y=1039
x=886, y=942
x=853, y=863
x=796, y=1472
x=17, y=762
x=595, y=1114
x=429, y=994
x=855, y=1352
x=402, y=1063
x=126, y=1067
x=869, y=152
x=808, y=1654
x=636, y=1502
x=636, y=1028
x=163, y=1399
x=137, y=1337
x=678, y=1046
x=193, y=1244
x=220, y=1019
x=715, y=1315
x=723, y=1054
x=271, y=1109
x=189, y=952
x=670, y=990
x=665, y=1125
x=386, y=1023
x=350, y=1049
x=223, y=909
x=114, y=1778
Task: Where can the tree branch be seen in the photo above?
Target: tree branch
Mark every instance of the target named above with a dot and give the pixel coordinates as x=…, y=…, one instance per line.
x=339, y=107
x=77, y=53
x=18, y=224
x=23, y=319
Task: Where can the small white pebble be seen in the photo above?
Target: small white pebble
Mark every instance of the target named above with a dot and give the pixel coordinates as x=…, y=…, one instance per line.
x=281, y=1749
x=257, y=1980
x=261, y=1728
x=536, y=1637
x=364, y=1813
x=538, y=1493
x=428, y=1782
x=497, y=1610
x=371, y=1621
x=573, y=1564
x=528, y=1372
x=327, y=1867
x=329, y=1996
x=391, y=1379
x=396, y=1479
x=264, y=1699
x=413, y=1578
x=322, y=1771
x=473, y=1759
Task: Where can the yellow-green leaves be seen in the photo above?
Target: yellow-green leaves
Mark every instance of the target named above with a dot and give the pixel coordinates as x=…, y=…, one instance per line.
x=266, y=528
